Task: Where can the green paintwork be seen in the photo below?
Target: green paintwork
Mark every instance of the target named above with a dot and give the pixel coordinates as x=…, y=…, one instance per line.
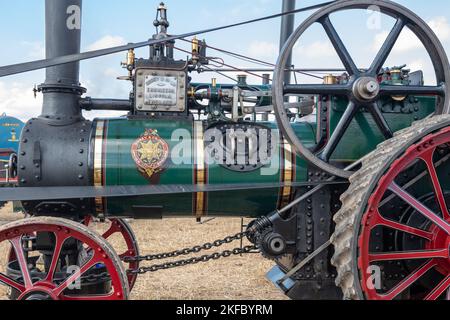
x=361, y=138
x=122, y=170
x=363, y=135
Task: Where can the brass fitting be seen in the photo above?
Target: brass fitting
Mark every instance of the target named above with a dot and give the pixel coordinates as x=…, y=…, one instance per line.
x=329, y=79
x=194, y=46
x=191, y=92
x=129, y=63
x=195, y=50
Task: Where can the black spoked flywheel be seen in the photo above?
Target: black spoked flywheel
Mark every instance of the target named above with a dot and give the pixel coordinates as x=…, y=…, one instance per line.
x=363, y=90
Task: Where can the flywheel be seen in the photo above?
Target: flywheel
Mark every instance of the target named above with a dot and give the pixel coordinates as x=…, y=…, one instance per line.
x=392, y=236
x=362, y=89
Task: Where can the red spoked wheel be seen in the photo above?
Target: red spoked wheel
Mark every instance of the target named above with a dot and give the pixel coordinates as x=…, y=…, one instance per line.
x=392, y=238
x=78, y=263
x=121, y=227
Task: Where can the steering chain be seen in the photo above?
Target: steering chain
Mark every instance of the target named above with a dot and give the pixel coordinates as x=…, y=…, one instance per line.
x=256, y=226
x=195, y=249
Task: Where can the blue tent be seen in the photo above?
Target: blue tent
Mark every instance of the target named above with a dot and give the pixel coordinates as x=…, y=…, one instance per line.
x=10, y=131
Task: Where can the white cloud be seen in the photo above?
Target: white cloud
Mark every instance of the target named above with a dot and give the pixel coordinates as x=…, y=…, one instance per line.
x=317, y=49
x=35, y=50
x=111, y=73
x=107, y=42
x=17, y=100
x=441, y=26
x=268, y=51
x=418, y=64
x=408, y=40
x=263, y=50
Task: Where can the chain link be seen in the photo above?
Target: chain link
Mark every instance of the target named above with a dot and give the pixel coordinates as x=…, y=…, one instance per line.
x=193, y=260
x=187, y=251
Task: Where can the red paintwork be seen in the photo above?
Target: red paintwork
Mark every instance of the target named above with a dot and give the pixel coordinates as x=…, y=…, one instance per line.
x=118, y=226
x=6, y=152
x=436, y=251
x=56, y=291
x=10, y=181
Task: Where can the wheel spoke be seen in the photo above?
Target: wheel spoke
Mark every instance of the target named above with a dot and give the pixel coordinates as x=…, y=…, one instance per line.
x=339, y=132
x=339, y=46
x=410, y=280
x=381, y=221
x=21, y=259
x=71, y=279
x=59, y=242
x=409, y=255
x=439, y=290
x=428, y=158
x=11, y=283
x=405, y=196
x=391, y=90
x=322, y=89
x=112, y=230
x=381, y=121
x=387, y=47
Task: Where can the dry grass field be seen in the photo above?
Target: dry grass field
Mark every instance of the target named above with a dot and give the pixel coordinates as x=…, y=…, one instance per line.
x=238, y=278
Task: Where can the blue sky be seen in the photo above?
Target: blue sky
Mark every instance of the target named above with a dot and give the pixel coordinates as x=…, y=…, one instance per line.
x=115, y=22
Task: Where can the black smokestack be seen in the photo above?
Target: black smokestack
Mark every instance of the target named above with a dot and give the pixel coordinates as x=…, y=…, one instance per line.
x=287, y=27
x=62, y=89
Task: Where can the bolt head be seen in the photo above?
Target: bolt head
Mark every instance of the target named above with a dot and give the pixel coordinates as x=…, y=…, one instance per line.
x=372, y=86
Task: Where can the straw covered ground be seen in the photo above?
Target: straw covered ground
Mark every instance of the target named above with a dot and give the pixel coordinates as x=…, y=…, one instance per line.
x=232, y=278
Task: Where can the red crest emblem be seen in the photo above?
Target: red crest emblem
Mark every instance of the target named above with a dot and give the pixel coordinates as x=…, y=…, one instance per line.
x=150, y=152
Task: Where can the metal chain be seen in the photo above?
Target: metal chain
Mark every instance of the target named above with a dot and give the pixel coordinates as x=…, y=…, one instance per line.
x=187, y=251
x=194, y=260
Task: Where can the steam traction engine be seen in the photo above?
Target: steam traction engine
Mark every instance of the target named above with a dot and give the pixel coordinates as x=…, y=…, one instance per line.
x=348, y=186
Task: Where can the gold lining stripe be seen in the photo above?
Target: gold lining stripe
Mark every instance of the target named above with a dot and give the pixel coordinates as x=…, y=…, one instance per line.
x=200, y=171
x=287, y=173
x=288, y=166
x=98, y=163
